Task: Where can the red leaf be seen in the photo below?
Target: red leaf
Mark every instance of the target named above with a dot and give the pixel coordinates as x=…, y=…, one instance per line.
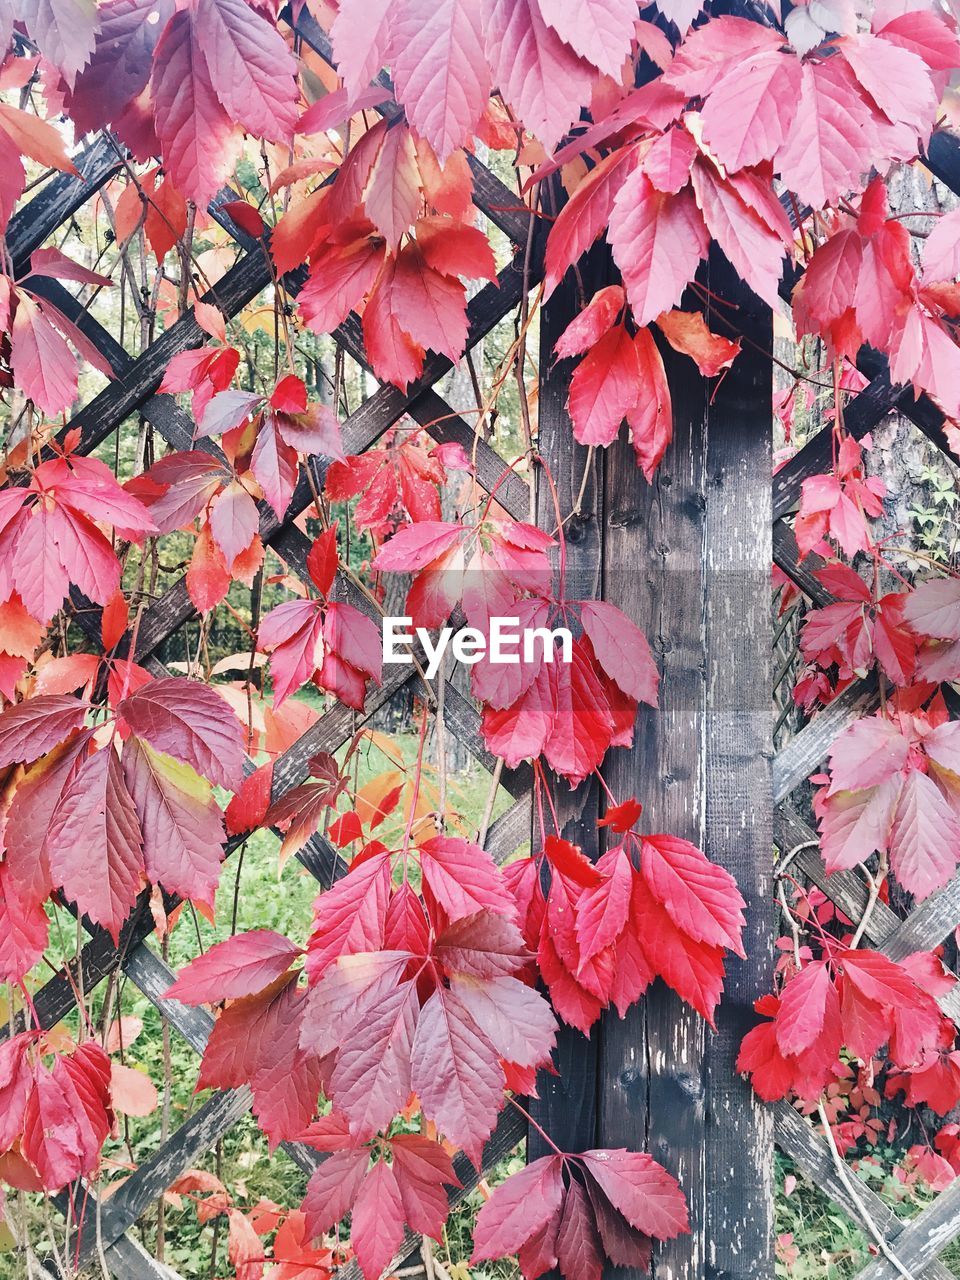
x=464, y=878
x=832, y=142
x=602, y=911
x=648, y=1197
x=250, y=67
x=879, y=978
x=621, y=649
x=750, y=110
x=322, y=560
x=249, y=806
x=239, y=966
x=422, y=1168
x=583, y=724
x=293, y=631
x=604, y=388
x=867, y=753
x=349, y=917
x=522, y=1204
x=592, y=323
x=516, y=1020
x=484, y=946
x=392, y=192
x=200, y=142
x=23, y=934
x=753, y=248
x=667, y=163
x=687, y=332
x=28, y=818
x=577, y=1243
x=234, y=519
x=371, y=1079
x=340, y=276
x=456, y=1074
x=246, y=216
x=43, y=365
x=30, y=729
x=701, y=898
x=190, y=722
x=333, y=1188
x=657, y=241
x=208, y=578
x=933, y=608
x=94, y=842
x=651, y=419
x=120, y=66
x=585, y=214
x=376, y=1228
x=809, y=1009
x=182, y=826
x=693, y=969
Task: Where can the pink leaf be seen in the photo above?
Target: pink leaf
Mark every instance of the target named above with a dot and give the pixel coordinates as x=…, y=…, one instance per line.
x=657, y=241
x=440, y=71
x=251, y=69
x=540, y=77
x=199, y=140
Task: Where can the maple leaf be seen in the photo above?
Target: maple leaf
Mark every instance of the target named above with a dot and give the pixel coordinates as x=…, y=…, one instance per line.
x=190, y=722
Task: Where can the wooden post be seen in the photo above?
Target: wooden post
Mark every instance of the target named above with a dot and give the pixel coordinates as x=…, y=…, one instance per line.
x=567, y=1104
x=688, y=559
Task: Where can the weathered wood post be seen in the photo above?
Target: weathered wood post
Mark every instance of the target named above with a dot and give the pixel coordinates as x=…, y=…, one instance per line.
x=688, y=558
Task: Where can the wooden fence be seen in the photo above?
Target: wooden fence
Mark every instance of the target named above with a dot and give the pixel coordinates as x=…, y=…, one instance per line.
x=688, y=558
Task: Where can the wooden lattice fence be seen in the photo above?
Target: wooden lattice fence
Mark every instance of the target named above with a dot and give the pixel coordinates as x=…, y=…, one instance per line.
x=688, y=558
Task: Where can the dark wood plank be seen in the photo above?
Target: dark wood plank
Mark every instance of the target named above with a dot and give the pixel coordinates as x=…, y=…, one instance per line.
x=652, y=1083
x=738, y=793
x=57, y=199
x=566, y=1107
